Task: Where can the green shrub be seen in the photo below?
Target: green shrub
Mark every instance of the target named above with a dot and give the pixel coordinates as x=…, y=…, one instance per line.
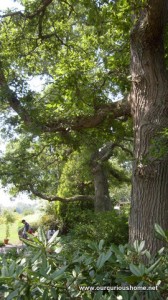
x=109, y=226
x=65, y=216
x=44, y=272
x=50, y=218
x=35, y=225
x=1, y=244
x=9, y=218
x=50, y=221
x=28, y=211
x=71, y=214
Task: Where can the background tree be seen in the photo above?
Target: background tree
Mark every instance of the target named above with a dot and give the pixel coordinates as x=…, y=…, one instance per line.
x=58, y=172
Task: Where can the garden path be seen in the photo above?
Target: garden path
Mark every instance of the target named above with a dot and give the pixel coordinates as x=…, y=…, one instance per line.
x=9, y=247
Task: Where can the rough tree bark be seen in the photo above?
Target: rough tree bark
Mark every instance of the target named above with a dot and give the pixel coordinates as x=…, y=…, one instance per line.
x=149, y=100
x=102, y=200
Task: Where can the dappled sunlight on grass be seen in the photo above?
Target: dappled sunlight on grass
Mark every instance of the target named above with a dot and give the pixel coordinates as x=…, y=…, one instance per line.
x=13, y=238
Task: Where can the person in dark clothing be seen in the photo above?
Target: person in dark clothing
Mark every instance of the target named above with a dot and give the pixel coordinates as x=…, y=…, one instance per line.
x=25, y=229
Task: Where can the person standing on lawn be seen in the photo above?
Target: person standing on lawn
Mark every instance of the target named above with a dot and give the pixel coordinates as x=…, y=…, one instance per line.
x=26, y=229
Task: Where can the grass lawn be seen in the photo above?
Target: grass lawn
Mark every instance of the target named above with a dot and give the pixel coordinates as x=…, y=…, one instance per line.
x=13, y=238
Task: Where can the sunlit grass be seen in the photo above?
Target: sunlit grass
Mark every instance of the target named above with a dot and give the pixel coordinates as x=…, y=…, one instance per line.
x=13, y=229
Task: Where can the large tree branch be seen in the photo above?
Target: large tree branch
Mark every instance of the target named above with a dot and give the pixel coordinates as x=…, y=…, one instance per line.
x=41, y=9
x=57, y=198
x=119, y=176
x=104, y=153
x=125, y=149
x=111, y=111
x=12, y=99
x=40, y=13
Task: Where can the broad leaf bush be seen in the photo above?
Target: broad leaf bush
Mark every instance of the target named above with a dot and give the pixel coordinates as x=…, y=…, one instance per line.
x=71, y=214
x=44, y=271
x=109, y=226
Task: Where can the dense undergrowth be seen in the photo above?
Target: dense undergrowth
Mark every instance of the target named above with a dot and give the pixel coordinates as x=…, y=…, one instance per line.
x=55, y=270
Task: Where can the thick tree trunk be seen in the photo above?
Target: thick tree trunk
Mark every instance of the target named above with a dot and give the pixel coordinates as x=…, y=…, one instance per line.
x=150, y=112
x=102, y=199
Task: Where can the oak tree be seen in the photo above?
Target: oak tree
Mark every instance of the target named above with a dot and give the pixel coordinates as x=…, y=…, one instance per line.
x=83, y=51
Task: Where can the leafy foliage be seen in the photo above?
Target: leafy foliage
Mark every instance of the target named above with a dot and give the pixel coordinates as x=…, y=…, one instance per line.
x=80, y=51
x=111, y=227
x=159, y=144
x=8, y=219
x=45, y=272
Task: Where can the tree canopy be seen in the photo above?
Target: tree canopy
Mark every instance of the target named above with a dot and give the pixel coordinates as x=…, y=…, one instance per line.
x=103, y=65
x=81, y=52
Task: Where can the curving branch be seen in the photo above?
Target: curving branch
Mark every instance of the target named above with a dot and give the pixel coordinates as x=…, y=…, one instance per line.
x=117, y=175
x=105, y=152
x=125, y=149
x=12, y=99
x=114, y=110
x=57, y=198
x=111, y=111
x=41, y=9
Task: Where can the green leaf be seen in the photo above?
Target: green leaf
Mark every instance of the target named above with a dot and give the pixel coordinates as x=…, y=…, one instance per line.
x=115, y=249
x=12, y=268
x=30, y=243
x=101, y=243
x=135, y=270
x=44, y=260
x=58, y=273
x=141, y=246
x=132, y=279
x=142, y=269
x=54, y=238
x=45, y=271
x=45, y=295
x=108, y=254
x=148, y=255
x=35, y=257
x=74, y=273
x=100, y=262
x=122, y=249
x=58, y=249
x=13, y=294
x=160, y=231
x=125, y=295
x=151, y=268
x=42, y=235
x=93, y=246
x=5, y=271
x=54, y=293
x=35, y=239
x=161, y=250
x=102, y=259
x=5, y=279
x=98, y=295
